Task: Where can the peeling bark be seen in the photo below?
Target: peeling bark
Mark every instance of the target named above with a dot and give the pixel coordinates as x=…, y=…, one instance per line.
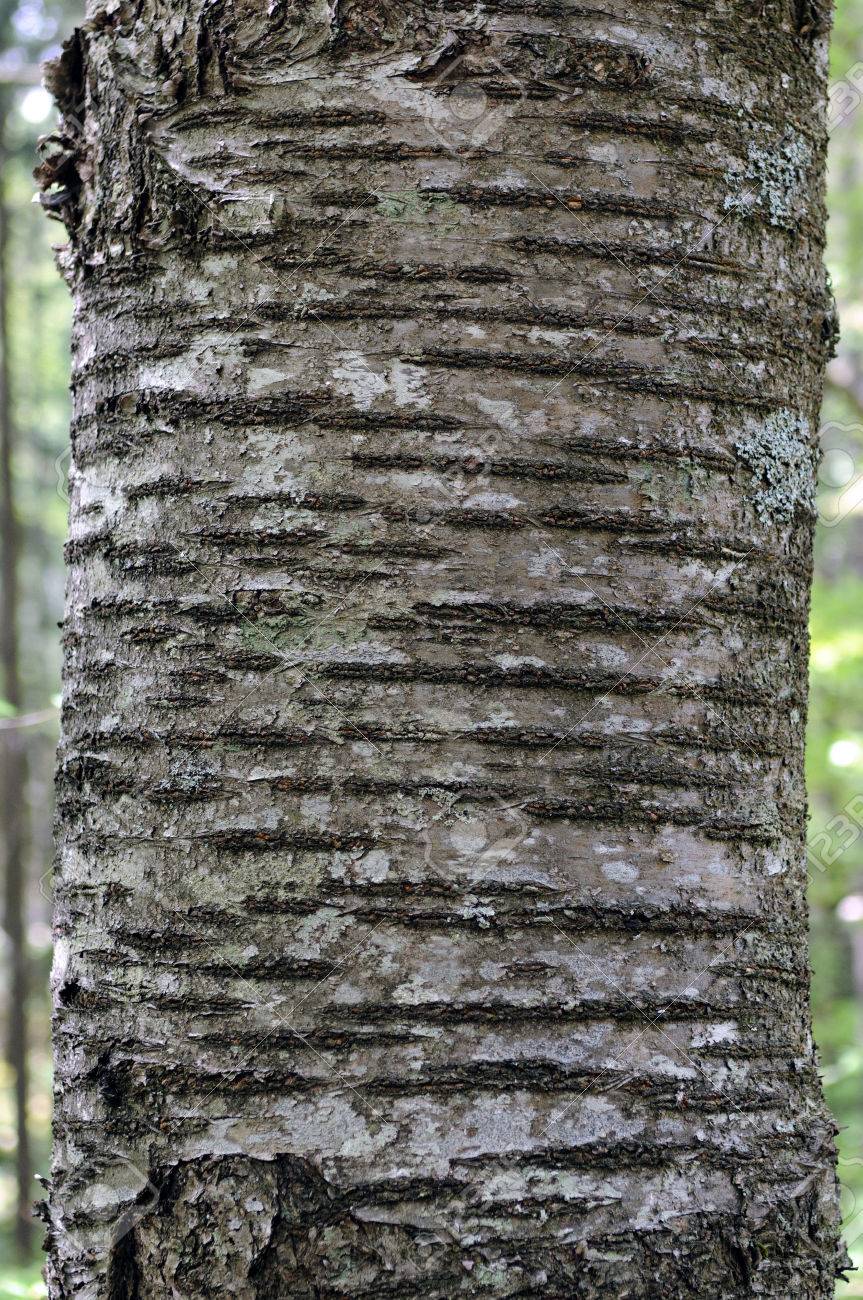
x=430, y=895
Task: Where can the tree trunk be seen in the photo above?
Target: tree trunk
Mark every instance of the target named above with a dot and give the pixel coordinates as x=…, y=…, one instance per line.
x=431, y=878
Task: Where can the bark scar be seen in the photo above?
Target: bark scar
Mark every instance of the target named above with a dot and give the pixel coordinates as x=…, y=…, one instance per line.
x=65, y=166
x=811, y=18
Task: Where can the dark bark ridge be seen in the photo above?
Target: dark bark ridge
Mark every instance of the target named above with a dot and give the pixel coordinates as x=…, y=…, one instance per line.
x=431, y=882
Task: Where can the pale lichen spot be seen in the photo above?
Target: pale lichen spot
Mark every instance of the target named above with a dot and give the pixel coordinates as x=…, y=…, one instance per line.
x=263, y=377
x=492, y=501
x=355, y=378
x=374, y=867
x=411, y=207
x=408, y=385
x=724, y=1031
x=780, y=453
x=622, y=873
x=774, y=179
x=509, y=661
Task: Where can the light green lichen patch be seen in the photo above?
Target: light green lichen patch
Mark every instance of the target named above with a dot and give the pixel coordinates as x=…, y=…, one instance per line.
x=413, y=206
x=445, y=806
x=774, y=179
x=780, y=453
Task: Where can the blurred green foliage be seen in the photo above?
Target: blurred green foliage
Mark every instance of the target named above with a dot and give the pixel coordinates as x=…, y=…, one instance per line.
x=835, y=731
x=39, y=318
x=39, y=310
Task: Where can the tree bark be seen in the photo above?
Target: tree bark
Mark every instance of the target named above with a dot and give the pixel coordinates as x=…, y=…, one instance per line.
x=431, y=884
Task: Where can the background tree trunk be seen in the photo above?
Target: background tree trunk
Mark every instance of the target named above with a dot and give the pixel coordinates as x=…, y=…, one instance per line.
x=431, y=879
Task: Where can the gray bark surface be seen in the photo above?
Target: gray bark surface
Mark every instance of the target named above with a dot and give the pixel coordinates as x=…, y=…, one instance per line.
x=431, y=883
